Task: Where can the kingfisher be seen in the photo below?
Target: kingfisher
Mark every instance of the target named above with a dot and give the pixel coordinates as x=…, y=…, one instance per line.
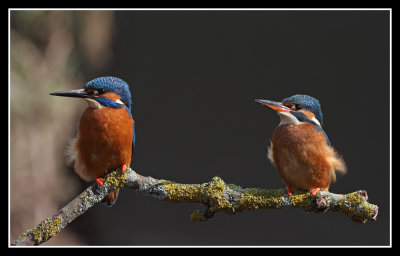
x=300, y=149
x=105, y=136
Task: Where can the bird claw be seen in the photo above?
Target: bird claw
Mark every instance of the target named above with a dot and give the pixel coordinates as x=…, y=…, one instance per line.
x=289, y=190
x=314, y=191
x=123, y=168
x=99, y=181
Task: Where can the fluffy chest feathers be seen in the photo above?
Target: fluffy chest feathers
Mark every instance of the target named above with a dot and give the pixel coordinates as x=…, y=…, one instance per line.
x=103, y=142
x=303, y=157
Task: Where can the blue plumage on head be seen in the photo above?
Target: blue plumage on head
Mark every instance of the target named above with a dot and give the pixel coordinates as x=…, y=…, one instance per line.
x=115, y=85
x=307, y=102
x=112, y=84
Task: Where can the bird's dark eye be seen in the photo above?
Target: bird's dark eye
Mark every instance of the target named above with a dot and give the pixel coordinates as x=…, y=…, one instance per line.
x=298, y=106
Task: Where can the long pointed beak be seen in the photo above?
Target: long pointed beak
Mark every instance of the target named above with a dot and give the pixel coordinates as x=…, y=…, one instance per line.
x=278, y=106
x=78, y=93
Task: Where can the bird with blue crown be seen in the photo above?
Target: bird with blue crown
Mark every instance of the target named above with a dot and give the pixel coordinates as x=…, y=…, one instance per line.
x=105, y=136
x=300, y=149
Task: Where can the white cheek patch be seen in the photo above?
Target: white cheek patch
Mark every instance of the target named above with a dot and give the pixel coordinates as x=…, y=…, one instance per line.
x=315, y=120
x=287, y=118
x=119, y=102
x=93, y=103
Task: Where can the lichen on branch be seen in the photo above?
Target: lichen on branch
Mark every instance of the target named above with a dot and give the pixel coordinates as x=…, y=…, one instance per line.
x=231, y=199
x=215, y=195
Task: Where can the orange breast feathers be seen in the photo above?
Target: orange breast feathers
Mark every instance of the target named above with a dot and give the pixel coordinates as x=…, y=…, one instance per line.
x=104, y=141
x=303, y=158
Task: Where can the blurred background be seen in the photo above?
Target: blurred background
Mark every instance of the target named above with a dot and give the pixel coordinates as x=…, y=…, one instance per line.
x=194, y=76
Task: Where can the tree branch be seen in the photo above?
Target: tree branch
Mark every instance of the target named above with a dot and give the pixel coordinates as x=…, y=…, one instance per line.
x=216, y=195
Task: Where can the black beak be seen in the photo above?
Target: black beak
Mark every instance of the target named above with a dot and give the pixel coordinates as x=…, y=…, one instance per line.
x=78, y=93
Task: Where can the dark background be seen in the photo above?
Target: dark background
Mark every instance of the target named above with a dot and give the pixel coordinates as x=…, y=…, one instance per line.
x=194, y=76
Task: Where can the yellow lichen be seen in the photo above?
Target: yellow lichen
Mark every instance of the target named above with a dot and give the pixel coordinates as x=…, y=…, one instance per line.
x=352, y=205
x=116, y=178
x=255, y=198
x=213, y=194
x=301, y=199
x=47, y=229
x=196, y=193
x=85, y=197
x=214, y=190
x=181, y=192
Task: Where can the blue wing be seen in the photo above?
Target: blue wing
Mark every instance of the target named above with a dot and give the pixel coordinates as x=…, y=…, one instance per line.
x=326, y=136
x=133, y=138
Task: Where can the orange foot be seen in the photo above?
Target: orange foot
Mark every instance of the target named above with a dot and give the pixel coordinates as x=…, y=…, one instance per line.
x=314, y=191
x=99, y=181
x=123, y=167
x=289, y=190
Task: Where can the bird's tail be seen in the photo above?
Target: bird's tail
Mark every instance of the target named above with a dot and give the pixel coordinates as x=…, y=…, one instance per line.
x=338, y=164
x=111, y=198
